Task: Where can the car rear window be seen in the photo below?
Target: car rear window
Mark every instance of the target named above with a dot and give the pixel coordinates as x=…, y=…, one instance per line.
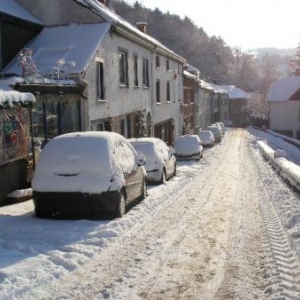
x=75, y=154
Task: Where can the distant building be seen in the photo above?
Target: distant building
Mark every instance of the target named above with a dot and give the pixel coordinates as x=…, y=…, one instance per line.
x=283, y=98
x=237, y=106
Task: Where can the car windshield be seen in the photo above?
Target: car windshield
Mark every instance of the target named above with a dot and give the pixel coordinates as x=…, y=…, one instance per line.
x=205, y=135
x=214, y=129
x=147, y=149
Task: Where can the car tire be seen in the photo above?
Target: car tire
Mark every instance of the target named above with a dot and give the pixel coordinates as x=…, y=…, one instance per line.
x=175, y=170
x=144, y=190
x=163, y=176
x=121, y=206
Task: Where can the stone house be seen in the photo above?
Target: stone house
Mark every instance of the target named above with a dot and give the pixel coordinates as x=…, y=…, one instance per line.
x=126, y=91
x=92, y=71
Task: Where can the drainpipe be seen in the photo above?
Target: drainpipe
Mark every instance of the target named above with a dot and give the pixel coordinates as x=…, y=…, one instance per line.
x=80, y=79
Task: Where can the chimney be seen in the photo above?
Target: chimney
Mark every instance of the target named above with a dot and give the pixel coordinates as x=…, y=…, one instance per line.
x=142, y=26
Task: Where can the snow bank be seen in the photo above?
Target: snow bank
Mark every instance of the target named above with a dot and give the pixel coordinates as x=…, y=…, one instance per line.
x=286, y=169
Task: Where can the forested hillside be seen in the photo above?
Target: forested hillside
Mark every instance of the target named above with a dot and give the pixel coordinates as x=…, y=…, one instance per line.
x=210, y=54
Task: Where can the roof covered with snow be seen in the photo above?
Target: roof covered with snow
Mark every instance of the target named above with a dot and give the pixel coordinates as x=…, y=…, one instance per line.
x=190, y=75
x=283, y=89
x=10, y=7
x=63, y=43
x=218, y=89
x=205, y=85
x=115, y=19
x=235, y=92
x=10, y=98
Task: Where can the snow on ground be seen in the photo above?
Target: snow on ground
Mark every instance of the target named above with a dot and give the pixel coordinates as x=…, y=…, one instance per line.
x=205, y=232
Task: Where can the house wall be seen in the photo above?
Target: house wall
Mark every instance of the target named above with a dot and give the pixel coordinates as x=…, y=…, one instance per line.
x=284, y=116
x=204, y=113
x=223, y=109
x=118, y=100
x=168, y=110
x=237, y=111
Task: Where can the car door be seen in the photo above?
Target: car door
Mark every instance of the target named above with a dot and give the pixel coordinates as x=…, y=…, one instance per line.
x=167, y=158
x=134, y=176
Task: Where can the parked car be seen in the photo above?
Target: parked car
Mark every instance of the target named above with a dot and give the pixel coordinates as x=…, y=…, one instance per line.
x=222, y=126
x=188, y=147
x=88, y=173
x=216, y=132
x=160, y=160
x=207, y=138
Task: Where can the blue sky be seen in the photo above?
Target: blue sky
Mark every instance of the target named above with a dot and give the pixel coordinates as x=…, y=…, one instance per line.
x=247, y=24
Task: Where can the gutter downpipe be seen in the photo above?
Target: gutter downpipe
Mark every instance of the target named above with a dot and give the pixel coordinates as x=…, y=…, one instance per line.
x=79, y=78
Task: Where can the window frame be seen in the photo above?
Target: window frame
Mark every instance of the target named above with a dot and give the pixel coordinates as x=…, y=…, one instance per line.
x=168, y=92
x=146, y=82
x=136, y=70
x=157, y=61
x=157, y=91
x=123, y=67
x=100, y=89
x=167, y=64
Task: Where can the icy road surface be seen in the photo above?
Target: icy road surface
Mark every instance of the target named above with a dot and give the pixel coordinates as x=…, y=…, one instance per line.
x=226, y=227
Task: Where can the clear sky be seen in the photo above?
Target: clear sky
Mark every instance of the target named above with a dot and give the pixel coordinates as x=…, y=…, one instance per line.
x=247, y=24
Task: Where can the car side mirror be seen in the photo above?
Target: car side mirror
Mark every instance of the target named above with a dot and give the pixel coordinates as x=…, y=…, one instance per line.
x=141, y=160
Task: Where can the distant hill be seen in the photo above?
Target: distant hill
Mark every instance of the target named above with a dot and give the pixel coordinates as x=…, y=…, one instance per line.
x=280, y=52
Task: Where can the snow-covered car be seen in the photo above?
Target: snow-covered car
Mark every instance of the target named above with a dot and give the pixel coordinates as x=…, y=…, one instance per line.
x=207, y=138
x=88, y=173
x=160, y=160
x=222, y=126
x=188, y=147
x=215, y=129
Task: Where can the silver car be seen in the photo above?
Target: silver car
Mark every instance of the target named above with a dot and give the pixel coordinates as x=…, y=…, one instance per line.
x=160, y=160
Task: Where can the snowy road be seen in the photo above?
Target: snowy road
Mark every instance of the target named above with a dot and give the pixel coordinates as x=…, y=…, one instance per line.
x=226, y=227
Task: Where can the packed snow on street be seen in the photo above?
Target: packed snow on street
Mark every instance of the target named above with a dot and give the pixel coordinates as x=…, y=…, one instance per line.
x=225, y=227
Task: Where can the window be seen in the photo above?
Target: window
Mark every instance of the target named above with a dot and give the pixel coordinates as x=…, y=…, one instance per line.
x=157, y=61
x=100, y=126
x=100, y=81
x=123, y=68
x=157, y=91
x=145, y=73
x=168, y=91
x=135, y=70
x=167, y=64
x=187, y=94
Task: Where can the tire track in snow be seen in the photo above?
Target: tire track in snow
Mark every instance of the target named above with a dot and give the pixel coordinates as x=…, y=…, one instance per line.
x=282, y=263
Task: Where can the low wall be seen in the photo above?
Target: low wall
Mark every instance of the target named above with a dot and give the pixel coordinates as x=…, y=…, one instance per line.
x=13, y=176
x=286, y=169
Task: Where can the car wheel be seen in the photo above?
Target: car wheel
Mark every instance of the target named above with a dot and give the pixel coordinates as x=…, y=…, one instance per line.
x=121, y=207
x=163, y=176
